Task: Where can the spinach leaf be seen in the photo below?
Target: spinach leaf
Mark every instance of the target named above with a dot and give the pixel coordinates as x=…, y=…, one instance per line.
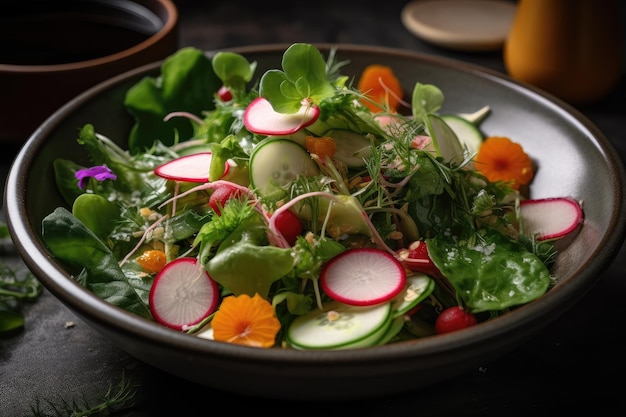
x=73, y=243
x=101, y=152
x=187, y=83
x=490, y=273
x=65, y=180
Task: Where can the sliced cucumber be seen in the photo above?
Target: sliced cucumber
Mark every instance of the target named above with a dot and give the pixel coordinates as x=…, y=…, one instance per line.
x=418, y=287
x=446, y=143
x=345, y=216
x=353, y=149
x=278, y=161
x=394, y=328
x=340, y=326
x=467, y=132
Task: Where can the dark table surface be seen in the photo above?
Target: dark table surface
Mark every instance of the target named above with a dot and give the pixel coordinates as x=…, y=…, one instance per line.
x=572, y=365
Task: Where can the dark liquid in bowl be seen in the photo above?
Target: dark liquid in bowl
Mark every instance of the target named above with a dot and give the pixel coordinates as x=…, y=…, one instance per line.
x=61, y=32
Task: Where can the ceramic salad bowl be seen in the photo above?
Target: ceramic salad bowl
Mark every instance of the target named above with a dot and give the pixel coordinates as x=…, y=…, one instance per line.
x=574, y=159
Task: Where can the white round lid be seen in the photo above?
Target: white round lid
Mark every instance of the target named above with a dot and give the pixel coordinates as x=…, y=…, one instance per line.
x=467, y=25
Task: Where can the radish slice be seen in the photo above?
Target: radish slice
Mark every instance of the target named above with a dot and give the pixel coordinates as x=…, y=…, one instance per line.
x=551, y=218
x=260, y=117
x=183, y=294
x=188, y=168
x=363, y=277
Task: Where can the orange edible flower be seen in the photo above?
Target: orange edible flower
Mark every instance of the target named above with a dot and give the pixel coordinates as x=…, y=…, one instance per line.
x=380, y=84
x=322, y=147
x=501, y=159
x=246, y=320
x=152, y=260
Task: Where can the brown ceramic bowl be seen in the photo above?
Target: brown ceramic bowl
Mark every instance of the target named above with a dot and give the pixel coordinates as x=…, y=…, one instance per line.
x=54, y=50
x=574, y=157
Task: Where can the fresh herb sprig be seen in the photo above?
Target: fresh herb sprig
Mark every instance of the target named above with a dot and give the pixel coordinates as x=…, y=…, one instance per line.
x=17, y=286
x=116, y=399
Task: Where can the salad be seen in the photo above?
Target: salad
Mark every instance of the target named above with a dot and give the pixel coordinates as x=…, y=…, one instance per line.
x=305, y=208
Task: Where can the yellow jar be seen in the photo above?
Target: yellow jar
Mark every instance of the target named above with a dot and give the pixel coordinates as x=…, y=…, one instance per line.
x=570, y=48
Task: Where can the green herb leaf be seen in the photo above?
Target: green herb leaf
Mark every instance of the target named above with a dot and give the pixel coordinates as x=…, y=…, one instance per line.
x=97, y=213
x=303, y=77
x=426, y=99
x=116, y=399
x=10, y=321
x=233, y=69
x=247, y=268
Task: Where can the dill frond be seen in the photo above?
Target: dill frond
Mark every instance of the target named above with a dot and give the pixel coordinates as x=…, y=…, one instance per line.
x=117, y=398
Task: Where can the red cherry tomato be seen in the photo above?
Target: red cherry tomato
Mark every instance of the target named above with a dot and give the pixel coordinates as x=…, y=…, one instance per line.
x=454, y=318
x=289, y=225
x=220, y=197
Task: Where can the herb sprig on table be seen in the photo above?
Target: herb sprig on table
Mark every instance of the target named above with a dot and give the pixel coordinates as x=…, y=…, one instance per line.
x=17, y=286
x=117, y=399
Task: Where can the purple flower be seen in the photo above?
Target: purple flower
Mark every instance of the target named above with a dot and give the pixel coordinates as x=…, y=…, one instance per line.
x=99, y=173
